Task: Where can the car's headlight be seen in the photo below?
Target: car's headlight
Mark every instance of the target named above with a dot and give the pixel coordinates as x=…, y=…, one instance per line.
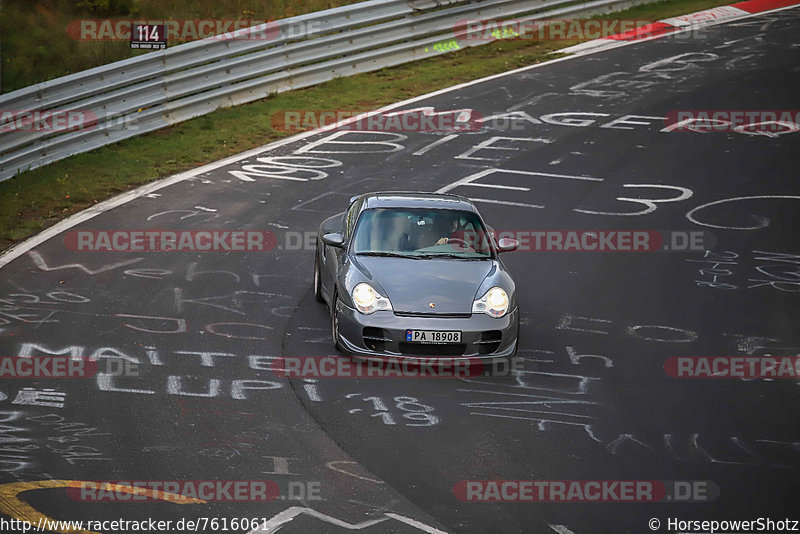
x=367, y=300
x=494, y=302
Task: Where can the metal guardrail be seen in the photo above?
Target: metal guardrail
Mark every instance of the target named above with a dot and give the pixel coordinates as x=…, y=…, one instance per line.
x=165, y=87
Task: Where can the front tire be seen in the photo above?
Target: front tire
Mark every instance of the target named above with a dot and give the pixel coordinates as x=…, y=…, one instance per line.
x=317, y=279
x=335, y=322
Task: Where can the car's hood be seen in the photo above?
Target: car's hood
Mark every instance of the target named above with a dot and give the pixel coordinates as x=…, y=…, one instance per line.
x=411, y=285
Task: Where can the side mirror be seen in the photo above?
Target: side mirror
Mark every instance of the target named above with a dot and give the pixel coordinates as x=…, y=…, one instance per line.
x=333, y=240
x=507, y=245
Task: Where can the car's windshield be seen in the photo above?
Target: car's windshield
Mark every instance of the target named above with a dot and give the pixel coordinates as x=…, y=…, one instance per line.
x=421, y=233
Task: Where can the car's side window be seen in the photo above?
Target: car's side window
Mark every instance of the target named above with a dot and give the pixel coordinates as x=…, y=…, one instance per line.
x=347, y=217
x=350, y=218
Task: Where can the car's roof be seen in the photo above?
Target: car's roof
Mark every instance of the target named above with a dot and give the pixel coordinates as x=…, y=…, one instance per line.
x=409, y=199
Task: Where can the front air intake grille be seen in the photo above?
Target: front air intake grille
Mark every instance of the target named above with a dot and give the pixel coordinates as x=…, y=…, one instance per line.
x=422, y=349
x=434, y=315
x=489, y=342
x=374, y=338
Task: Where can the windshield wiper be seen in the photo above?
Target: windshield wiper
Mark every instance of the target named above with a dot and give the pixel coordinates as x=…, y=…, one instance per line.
x=387, y=255
x=455, y=256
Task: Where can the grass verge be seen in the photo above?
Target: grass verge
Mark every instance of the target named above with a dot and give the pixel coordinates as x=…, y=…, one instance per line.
x=41, y=197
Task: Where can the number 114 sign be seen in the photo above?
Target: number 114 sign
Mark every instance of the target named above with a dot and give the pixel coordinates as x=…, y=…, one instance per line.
x=148, y=36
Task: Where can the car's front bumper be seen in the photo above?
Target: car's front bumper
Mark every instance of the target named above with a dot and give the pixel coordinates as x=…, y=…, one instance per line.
x=382, y=335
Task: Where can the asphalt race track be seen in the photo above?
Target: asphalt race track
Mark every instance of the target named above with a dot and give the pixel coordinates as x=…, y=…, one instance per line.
x=592, y=401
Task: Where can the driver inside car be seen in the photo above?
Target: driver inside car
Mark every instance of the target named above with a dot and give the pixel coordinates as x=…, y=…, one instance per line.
x=442, y=227
x=436, y=232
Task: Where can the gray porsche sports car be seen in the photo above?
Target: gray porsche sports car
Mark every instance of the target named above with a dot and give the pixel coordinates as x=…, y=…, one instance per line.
x=416, y=275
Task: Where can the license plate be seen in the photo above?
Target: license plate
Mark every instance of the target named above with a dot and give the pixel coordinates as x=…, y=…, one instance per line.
x=433, y=336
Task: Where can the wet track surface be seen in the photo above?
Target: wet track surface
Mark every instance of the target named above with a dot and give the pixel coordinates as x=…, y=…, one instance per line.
x=592, y=401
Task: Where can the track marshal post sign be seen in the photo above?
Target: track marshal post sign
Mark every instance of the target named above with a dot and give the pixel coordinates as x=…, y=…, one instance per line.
x=148, y=36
